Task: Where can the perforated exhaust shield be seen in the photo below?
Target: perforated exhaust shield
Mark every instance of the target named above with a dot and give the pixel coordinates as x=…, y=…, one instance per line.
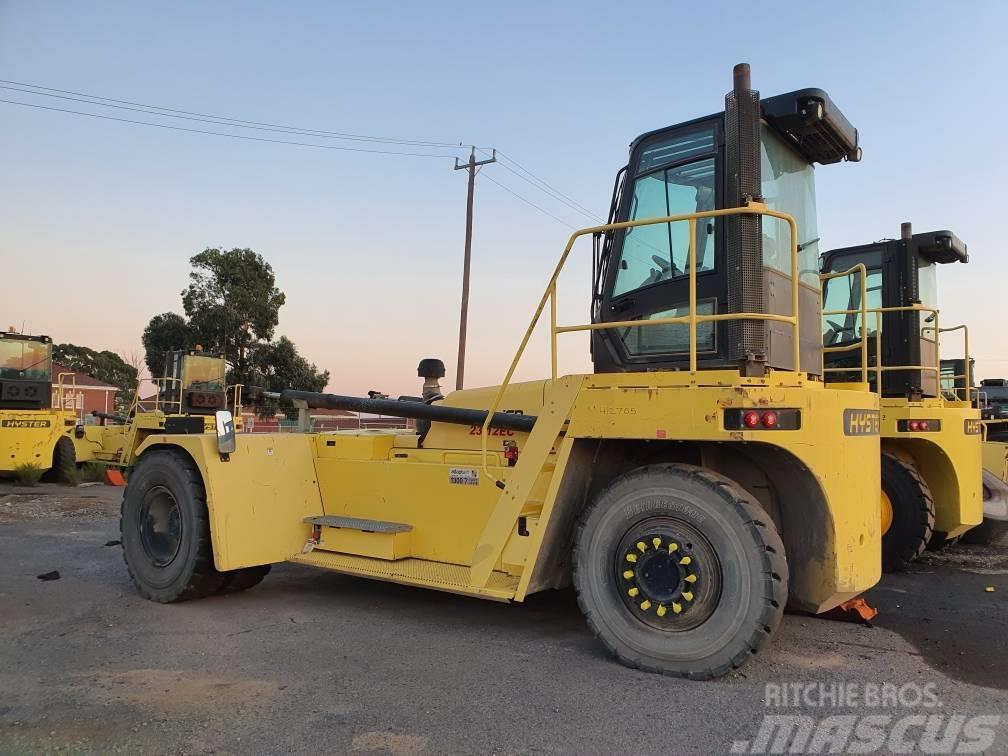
x=746, y=339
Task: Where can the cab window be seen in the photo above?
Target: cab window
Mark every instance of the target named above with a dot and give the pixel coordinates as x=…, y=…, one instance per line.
x=675, y=175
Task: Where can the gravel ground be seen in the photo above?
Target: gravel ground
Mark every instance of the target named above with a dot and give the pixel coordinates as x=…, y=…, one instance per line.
x=313, y=661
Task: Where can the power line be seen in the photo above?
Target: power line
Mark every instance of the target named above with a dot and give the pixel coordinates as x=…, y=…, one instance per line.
x=234, y=121
x=545, y=187
x=530, y=202
x=224, y=134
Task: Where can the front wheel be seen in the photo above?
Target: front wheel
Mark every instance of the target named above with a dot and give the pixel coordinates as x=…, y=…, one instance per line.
x=677, y=570
x=165, y=529
x=907, y=511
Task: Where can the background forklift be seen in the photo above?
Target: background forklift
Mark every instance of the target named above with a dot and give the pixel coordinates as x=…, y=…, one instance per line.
x=689, y=488
x=32, y=430
x=991, y=398
x=931, y=440
x=192, y=389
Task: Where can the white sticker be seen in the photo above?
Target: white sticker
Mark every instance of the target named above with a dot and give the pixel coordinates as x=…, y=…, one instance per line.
x=463, y=476
x=269, y=451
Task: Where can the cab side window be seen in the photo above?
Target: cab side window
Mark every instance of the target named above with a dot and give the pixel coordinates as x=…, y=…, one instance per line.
x=674, y=176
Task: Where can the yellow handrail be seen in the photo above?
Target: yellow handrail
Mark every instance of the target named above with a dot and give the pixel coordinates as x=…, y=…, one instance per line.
x=863, y=344
x=879, y=367
x=692, y=319
x=966, y=375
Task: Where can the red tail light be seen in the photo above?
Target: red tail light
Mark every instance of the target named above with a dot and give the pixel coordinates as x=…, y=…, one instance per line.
x=751, y=419
x=769, y=419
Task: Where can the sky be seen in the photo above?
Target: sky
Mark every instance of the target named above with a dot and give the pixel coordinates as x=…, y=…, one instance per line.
x=98, y=218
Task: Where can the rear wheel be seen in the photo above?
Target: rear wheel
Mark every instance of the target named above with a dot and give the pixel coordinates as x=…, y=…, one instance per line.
x=677, y=570
x=907, y=512
x=243, y=579
x=165, y=529
x=64, y=461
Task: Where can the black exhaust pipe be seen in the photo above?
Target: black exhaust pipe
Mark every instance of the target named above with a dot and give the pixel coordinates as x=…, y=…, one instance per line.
x=407, y=409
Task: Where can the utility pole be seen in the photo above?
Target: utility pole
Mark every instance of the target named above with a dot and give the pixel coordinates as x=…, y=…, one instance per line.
x=470, y=166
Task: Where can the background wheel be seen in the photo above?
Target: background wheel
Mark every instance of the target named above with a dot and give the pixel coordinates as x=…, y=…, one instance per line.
x=64, y=458
x=911, y=518
x=243, y=579
x=677, y=570
x=165, y=529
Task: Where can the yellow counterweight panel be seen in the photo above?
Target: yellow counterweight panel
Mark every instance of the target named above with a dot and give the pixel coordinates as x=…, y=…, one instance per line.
x=950, y=460
x=844, y=559
x=258, y=499
x=29, y=437
x=995, y=458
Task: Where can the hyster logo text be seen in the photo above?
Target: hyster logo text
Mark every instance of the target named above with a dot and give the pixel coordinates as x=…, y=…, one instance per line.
x=858, y=422
x=24, y=423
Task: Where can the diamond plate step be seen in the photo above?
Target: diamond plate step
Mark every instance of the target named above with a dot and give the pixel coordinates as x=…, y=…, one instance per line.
x=420, y=572
x=356, y=523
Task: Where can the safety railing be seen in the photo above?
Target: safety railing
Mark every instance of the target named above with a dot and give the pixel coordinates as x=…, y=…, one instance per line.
x=691, y=320
x=879, y=368
x=61, y=389
x=966, y=375
x=861, y=343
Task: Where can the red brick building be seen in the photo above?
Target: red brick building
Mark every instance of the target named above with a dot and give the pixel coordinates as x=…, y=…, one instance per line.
x=82, y=394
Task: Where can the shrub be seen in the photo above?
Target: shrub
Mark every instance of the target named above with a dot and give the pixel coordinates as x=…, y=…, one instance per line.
x=92, y=472
x=28, y=474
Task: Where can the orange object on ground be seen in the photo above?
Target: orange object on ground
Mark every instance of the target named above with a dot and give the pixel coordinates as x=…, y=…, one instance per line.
x=855, y=610
x=114, y=478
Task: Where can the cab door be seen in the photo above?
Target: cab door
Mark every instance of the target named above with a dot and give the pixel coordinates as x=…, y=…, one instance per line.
x=671, y=172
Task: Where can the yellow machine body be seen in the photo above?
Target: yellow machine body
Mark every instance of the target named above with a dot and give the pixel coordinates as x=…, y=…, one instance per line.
x=28, y=437
x=116, y=444
x=949, y=459
x=429, y=515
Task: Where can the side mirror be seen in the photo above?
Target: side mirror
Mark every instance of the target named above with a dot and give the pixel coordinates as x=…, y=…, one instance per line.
x=226, y=443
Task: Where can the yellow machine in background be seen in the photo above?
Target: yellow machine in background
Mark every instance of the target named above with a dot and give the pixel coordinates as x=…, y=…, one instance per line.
x=880, y=327
x=695, y=483
x=191, y=390
x=32, y=431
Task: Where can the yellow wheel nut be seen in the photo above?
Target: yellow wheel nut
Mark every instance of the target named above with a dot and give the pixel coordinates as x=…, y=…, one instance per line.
x=645, y=605
x=633, y=592
x=656, y=541
x=690, y=578
x=631, y=557
x=673, y=547
x=687, y=595
x=628, y=574
x=660, y=611
x=685, y=560
x=677, y=608
x=641, y=546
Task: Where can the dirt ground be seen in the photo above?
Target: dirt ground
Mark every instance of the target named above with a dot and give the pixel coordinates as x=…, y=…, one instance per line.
x=315, y=661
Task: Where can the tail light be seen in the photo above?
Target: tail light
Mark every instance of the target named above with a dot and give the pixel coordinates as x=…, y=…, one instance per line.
x=768, y=419
x=928, y=425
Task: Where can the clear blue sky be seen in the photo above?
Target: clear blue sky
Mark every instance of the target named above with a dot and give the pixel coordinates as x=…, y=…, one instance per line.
x=103, y=216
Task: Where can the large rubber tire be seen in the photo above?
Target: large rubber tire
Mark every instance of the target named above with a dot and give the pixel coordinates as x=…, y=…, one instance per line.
x=64, y=458
x=244, y=578
x=913, y=516
x=738, y=616
x=167, y=483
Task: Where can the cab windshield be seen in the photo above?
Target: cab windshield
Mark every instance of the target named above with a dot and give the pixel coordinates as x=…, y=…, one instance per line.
x=203, y=373
x=25, y=360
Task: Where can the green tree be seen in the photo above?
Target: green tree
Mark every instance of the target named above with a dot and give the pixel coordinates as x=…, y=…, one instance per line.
x=276, y=366
x=165, y=332
x=232, y=303
x=106, y=366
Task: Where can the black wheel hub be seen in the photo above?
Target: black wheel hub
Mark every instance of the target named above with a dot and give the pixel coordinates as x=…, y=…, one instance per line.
x=668, y=574
x=160, y=526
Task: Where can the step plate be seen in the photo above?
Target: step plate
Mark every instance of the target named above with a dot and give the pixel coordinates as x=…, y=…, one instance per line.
x=443, y=577
x=356, y=523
